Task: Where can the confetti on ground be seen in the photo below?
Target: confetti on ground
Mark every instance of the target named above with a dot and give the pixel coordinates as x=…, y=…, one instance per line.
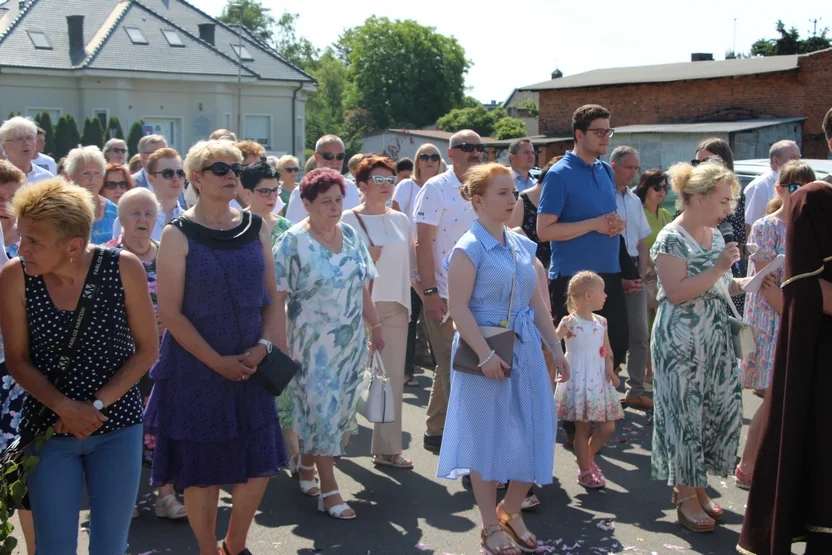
x=421, y=547
x=674, y=547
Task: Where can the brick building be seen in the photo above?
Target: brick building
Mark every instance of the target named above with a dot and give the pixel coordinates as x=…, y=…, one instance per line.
x=762, y=89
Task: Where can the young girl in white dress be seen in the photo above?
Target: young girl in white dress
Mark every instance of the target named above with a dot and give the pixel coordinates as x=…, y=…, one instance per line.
x=589, y=396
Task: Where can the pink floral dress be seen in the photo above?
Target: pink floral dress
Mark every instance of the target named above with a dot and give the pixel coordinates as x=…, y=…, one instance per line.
x=588, y=396
x=769, y=235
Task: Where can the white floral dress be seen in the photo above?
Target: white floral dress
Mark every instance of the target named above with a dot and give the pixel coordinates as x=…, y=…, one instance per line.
x=588, y=395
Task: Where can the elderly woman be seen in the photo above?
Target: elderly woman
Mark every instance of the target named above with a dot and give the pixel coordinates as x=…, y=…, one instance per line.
x=85, y=167
x=289, y=169
x=698, y=400
x=117, y=181
x=213, y=425
x=391, y=244
x=115, y=151
x=17, y=138
x=323, y=269
x=91, y=399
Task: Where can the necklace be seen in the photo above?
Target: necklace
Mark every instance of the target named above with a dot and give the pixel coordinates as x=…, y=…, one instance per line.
x=323, y=237
x=139, y=254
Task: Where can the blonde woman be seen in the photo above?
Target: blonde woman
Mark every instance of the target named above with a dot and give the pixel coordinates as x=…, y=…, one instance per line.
x=85, y=166
x=289, y=169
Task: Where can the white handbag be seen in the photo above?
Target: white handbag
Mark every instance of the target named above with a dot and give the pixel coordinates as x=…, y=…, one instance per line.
x=375, y=398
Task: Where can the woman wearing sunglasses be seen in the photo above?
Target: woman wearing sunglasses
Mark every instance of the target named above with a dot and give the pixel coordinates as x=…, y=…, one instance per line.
x=117, y=181
x=214, y=425
x=763, y=307
x=85, y=167
x=387, y=234
x=428, y=163
x=115, y=151
x=288, y=169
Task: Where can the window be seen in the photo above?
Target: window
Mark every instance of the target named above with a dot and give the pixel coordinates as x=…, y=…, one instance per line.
x=54, y=113
x=39, y=39
x=173, y=38
x=257, y=128
x=136, y=35
x=102, y=115
x=242, y=52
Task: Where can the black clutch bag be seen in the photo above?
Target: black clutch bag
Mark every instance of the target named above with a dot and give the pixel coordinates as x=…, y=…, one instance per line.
x=275, y=372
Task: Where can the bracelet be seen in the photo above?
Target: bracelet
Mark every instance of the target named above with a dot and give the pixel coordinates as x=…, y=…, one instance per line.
x=430, y=291
x=376, y=326
x=484, y=361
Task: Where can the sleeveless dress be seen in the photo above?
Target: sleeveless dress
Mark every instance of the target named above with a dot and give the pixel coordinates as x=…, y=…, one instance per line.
x=210, y=430
x=588, y=395
x=105, y=346
x=502, y=429
x=544, y=248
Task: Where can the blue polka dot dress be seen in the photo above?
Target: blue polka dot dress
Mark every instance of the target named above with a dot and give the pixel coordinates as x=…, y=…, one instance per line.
x=502, y=429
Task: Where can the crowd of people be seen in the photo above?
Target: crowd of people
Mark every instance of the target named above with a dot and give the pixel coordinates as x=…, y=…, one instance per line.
x=180, y=276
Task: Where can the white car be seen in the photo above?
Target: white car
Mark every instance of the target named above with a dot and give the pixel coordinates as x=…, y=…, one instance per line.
x=747, y=170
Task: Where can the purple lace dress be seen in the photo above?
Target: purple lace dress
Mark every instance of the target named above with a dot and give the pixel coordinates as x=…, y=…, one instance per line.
x=210, y=430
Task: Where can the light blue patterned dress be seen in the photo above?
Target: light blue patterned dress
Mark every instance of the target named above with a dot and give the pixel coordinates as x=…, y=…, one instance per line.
x=102, y=230
x=326, y=333
x=502, y=429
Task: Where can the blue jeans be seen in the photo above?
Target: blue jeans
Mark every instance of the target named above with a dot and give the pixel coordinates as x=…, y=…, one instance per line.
x=110, y=466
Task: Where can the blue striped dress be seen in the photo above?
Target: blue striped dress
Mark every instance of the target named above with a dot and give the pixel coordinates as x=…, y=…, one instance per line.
x=502, y=429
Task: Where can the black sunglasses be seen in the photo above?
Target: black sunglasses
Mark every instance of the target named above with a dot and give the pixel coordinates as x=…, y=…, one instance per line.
x=659, y=187
x=291, y=170
x=119, y=150
x=329, y=156
x=221, y=168
x=113, y=185
x=431, y=157
x=169, y=173
x=695, y=163
x=468, y=147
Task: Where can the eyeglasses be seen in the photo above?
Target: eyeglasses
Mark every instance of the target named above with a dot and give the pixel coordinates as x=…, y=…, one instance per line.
x=291, y=170
x=381, y=180
x=119, y=150
x=431, y=157
x=468, y=147
x=113, y=185
x=659, y=187
x=27, y=138
x=695, y=163
x=267, y=193
x=792, y=187
x=221, y=168
x=169, y=173
x=601, y=132
x=328, y=156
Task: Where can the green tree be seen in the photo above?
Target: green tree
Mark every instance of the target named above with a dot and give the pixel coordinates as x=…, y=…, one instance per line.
x=509, y=128
x=479, y=119
x=114, y=130
x=469, y=102
x=400, y=71
x=67, y=136
x=134, y=136
x=45, y=123
x=529, y=105
x=253, y=15
x=13, y=114
x=325, y=107
x=297, y=50
x=93, y=133
x=790, y=42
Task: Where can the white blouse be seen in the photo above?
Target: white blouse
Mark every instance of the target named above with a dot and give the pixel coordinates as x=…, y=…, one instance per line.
x=392, y=232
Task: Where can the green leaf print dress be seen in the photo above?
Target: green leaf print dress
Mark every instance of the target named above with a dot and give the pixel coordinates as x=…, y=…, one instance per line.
x=697, y=393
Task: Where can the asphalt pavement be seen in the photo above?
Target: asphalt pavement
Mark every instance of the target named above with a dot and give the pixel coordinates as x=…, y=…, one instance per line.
x=413, y=512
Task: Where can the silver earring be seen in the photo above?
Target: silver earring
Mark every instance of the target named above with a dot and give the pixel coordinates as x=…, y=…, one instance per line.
x=71, y=260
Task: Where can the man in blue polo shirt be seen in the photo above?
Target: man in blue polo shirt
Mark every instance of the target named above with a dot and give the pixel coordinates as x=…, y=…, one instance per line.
x=577, y=213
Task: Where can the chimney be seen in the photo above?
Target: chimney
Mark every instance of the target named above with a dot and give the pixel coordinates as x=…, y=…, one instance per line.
x=701, y=57
x=75, y=24
x=206, y=32
x=557, y=74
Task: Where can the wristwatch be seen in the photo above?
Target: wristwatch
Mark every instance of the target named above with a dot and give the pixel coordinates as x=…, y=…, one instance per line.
x=267, y=343
x=97, y=404
x=430, y=291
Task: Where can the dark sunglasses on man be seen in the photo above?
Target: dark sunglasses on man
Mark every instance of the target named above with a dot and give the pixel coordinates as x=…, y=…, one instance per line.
x=169, y=173
x=113, y=185
x=468, y=147
x=431, y=157
x=328, y=156
x=220, y=169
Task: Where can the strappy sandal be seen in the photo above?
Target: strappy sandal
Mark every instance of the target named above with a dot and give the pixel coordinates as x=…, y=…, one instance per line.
x=743, y=479
x=590, y=480
x=594, y=468
x=712, y=509
x=336, y=511
x=308, y=487
x=170, y=507
x=225, y=550
x=527, y=542
x=396, y=461
x=294, y=460
x=489, y=531
x=703, y=525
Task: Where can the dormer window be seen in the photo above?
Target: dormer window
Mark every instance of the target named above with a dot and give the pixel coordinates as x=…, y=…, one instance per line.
x=136, y=35
x=39, y=40
x=173, y=38
x=242, y=52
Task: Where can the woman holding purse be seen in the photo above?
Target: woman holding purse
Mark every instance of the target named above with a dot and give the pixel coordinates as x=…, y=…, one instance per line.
x=489, y=432
x=387, y=234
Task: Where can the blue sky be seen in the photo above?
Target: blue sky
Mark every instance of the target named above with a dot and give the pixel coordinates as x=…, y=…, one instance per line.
x=512, y=44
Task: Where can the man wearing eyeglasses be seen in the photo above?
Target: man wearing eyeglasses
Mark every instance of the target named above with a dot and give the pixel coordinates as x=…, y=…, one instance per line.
x=625, y=166
x=329, y=153
x=761, y=190
x=442, y=217
x=41, y=159
x=18, y=136
x=521, y=158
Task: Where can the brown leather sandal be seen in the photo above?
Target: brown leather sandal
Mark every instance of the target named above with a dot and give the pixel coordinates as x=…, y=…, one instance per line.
x=527, y=542
x=712, y=509
x=504, y=549
x=701, y=525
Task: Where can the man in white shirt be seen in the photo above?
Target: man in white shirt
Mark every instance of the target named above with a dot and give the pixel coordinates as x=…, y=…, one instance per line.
x=41, y=159
x=522, y=159
x=18, y=136
x=761, y=190
x=625, y=166
x=329, y=153
x=442, y=217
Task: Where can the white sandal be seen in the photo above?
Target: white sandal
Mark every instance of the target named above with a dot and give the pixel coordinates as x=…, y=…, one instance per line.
x=338, y=510
x=306, y=486
x=170, y=507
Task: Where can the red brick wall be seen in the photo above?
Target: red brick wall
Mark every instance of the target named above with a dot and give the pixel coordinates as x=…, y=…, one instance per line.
x=806, y=91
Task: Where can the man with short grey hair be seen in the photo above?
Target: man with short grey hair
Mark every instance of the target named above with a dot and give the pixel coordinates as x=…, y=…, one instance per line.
x=761, y=190
x=521, y=158
x=147, y=146
x=18, y=136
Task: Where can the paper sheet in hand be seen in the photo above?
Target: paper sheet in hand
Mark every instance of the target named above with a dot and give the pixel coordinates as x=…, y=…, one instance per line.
x=754, y=285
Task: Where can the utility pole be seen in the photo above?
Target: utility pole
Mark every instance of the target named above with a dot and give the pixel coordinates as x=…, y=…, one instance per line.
x=814, y=22
x=239, y=8
x=734, y=47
